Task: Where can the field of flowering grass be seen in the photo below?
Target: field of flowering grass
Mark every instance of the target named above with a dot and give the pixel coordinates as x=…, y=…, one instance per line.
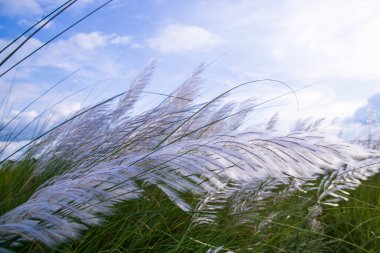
x=153, y=223
x=184, y=176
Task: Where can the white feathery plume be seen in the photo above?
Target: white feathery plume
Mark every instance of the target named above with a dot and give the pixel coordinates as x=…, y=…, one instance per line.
x=269, y=162
x=273, y=121
x=335, y=186
x=73, y=201
x=176, y=150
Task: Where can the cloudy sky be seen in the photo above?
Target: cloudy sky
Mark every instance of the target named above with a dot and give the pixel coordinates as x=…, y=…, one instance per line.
x=331, y=44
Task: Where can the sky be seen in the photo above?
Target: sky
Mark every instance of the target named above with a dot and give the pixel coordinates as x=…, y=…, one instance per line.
x=331, y=46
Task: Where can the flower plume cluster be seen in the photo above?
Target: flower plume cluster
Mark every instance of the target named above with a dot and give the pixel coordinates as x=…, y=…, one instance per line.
x=178, y=146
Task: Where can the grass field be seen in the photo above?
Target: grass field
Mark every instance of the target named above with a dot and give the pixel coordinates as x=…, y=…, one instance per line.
x=154, y=224
x=183, y=176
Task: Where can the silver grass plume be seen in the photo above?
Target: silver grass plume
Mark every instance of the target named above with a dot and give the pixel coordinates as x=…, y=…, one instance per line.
x=73, y=201
x=335, y=185
x=175, y=146
x=294, y=160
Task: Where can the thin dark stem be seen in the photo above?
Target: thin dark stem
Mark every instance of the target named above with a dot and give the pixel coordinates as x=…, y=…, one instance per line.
x=56, y=36
x=30, y=28
x=34, y=33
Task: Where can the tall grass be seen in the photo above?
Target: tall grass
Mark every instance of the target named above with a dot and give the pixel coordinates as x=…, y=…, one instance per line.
x=185, y=177
x=211, y=185
x=155, y=224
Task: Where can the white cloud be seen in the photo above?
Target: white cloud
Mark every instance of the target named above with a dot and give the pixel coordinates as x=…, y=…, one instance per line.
x=137, y=45
x=120, y=40
x=303, y=39
x=179, y=38
x=82, y=49
x=20, y=7
x=68, y=109
x=329, y=38
x=30, y=115
x=87, y=41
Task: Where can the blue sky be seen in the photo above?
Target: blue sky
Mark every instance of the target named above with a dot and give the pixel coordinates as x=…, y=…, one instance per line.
x=297, y=42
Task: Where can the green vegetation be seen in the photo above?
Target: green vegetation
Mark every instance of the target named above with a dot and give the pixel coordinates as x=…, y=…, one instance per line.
x=154, y=224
